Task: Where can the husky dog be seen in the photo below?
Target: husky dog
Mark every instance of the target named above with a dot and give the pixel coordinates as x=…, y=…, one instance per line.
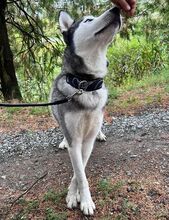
x=84, y=67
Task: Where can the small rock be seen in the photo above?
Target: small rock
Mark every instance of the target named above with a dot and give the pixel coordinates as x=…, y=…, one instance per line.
x=139, y=126
x=143, y=134
x=133, y=156
x=129, y=173
x=3, y=177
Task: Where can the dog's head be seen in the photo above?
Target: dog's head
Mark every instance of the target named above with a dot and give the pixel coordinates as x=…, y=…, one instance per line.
x=90, y=36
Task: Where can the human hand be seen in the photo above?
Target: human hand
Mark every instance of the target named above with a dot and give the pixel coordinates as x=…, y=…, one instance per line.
x=129, y=6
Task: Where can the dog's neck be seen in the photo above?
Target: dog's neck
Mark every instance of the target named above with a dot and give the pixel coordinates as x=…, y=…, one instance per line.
x=89, y=65
x=95, y=61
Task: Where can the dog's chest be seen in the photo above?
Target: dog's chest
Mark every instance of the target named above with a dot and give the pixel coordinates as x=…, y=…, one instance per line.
x=93, y=100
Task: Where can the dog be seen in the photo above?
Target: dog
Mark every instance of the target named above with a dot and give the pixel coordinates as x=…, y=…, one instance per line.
x=83, y=70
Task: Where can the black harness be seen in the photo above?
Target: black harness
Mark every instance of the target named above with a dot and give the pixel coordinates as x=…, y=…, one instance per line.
x=82, y=84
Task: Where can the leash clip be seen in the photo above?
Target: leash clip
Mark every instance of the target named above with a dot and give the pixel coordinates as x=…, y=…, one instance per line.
x=79, y=92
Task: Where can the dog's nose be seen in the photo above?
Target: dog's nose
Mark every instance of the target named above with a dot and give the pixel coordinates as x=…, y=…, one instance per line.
x=115, y=10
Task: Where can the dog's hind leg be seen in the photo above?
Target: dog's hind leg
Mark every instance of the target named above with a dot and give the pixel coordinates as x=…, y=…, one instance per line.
x=64, y=144
x=101, y=137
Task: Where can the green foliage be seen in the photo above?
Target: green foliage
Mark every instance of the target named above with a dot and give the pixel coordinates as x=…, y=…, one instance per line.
x=133, y=59
x=113, y=92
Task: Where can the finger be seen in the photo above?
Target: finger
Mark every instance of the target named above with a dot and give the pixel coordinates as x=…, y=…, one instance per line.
x=132, y=4
x=132, y=11
x=122, y=4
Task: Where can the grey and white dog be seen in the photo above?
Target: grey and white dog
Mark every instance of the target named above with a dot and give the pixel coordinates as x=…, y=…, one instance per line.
x=84, y=67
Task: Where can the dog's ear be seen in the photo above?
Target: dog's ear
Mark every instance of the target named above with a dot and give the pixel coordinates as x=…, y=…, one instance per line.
x=65, y=21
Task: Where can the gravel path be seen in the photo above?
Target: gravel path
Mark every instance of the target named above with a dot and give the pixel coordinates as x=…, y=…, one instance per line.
x=137, y=148
x=157, y=121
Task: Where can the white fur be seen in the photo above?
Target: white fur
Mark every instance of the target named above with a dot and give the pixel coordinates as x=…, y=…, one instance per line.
x=63, y=144
x=93, y=48
x=65, y=21
x=101, y=136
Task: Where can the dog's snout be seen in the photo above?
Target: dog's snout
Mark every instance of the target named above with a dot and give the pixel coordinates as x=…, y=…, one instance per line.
x=115, y=10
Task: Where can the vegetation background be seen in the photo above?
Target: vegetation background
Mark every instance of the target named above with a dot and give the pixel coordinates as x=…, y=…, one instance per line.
x=31, y=45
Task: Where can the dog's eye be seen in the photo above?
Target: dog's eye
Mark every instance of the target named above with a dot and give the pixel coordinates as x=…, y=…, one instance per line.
x=88, y=20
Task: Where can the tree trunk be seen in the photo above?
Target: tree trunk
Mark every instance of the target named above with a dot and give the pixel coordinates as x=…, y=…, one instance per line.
x=9, y=85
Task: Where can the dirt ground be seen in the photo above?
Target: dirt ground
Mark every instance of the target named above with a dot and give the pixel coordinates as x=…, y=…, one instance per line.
x=128, y=177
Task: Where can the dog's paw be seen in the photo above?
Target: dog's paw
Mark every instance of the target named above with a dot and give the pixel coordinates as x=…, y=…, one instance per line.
x=87, y=206
x=72, y=200
x=63, y=144
x=101, y=136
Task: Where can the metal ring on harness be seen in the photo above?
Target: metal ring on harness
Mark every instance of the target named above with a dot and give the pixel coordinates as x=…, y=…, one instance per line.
x=83, y=85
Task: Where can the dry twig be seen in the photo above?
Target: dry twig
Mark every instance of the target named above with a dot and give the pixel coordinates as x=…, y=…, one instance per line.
x=26, y=191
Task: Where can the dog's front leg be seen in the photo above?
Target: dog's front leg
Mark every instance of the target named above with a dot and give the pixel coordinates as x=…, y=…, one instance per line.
x=86, y=202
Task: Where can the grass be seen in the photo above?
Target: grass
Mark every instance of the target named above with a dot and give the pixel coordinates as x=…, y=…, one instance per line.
x=151, y=89
x=155, y=79
x=39, y=111
x=106, y=187
x=32, y=110
x=26, y=207
x=132, y=84
x=52, y=215
x=55, y=197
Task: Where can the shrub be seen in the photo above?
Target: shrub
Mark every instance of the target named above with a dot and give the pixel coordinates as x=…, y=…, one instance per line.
x=134, y=59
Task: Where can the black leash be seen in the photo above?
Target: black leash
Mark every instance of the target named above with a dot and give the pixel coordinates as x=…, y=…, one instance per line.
x=62, y=101
x=34, y=104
